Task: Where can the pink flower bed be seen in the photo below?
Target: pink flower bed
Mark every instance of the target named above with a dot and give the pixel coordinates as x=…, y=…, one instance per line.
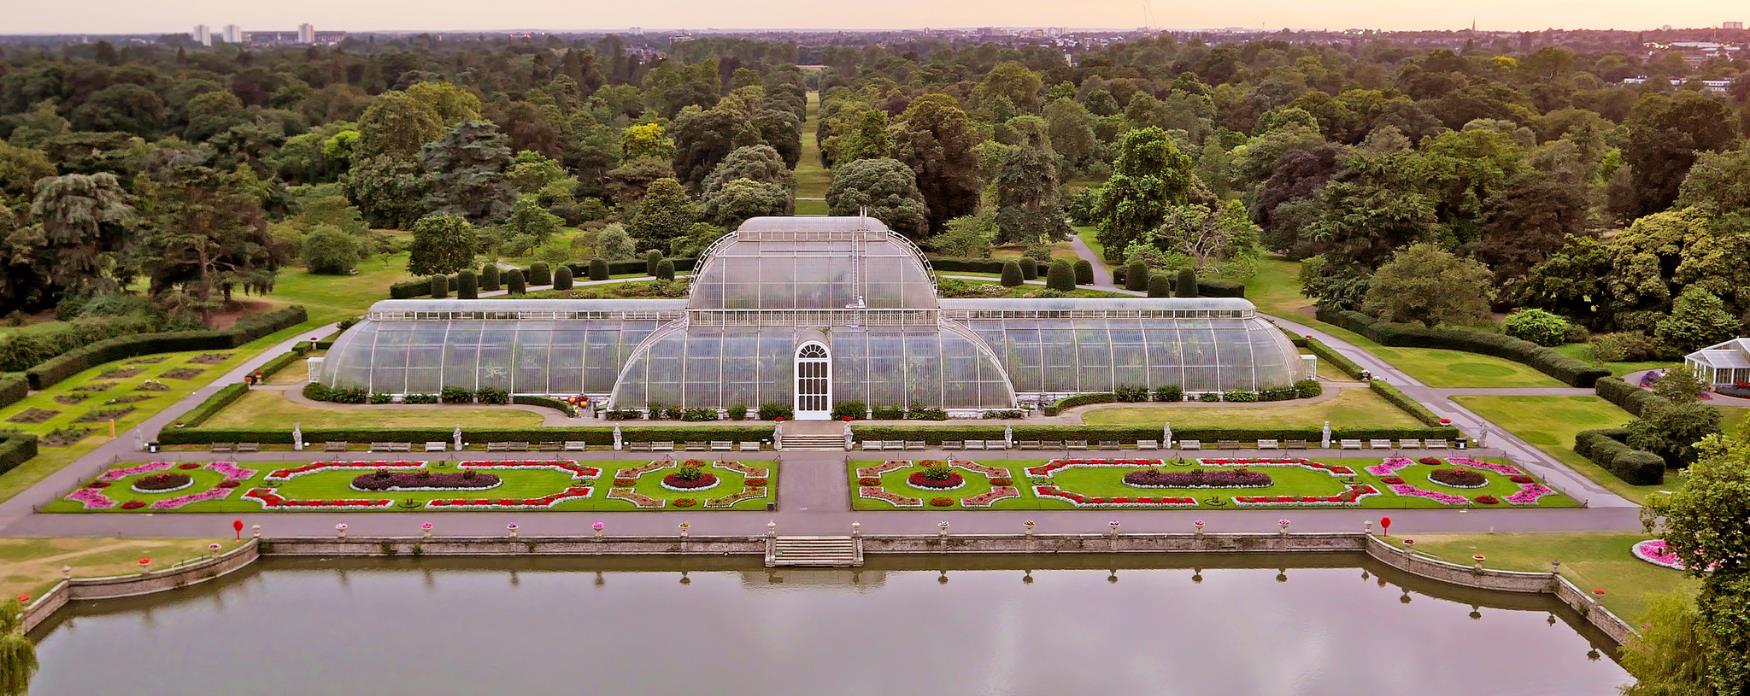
x=882, y=494
x=1529, y=493
x=92, y=498
x=1657, y=552
x=1502, y=469
x=313, y=467
x=1389, y=467
x=545, y=501
x=118, y=474
x=573, y=468
x=179, y=501
x=1350, y=497
x=231, y=471
x=1436, y=496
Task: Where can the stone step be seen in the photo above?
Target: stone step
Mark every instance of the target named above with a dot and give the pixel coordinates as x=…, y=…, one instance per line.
x=815, y=551
x=814, y=442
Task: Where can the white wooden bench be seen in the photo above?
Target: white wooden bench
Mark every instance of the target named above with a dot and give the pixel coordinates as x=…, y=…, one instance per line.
x=1407, y=443
x=907, y=444
x=1109, y=444
x=750, y=446
x=974, y=444
x=1269, y=445
x=722, y=446
x=507, y=446
x=662, y=446
x=336, y=446
x=550, y=447
x=953, y=444
x=1075, y=444
x=1227, y=444
x=248, y=447
x=436, y=446
x=1190, y=444
x=1379, y=444
x=872, y=445
x=1349, y=444
x=224, y=447
x=996, y=444
x=638, y=446
x=1434, y=444
x=1296, y=444
x=1148, y=445
x=576, y=446
x=1051, y=444
x=1027, y=444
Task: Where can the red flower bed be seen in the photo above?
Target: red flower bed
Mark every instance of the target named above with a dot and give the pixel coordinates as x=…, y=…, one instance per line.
x=188, y=466
x=98, y=484
x=685, y=502
x=942, y=502
x=1391, y=480
x=133, y=505
x=1001, y=481
x=922, y=479
x=229, y=483
x=295, y=471
x=868, y=481
x=1521, y=478
x=511, y=503
x=1350, y=496
x=1488, y=499
x=1458, y=478
x=384, y=480
x=1430, y=461
x=1086, y=501
x=573, y=468
x=756, y=482
x=703, y=480
x=271, y=500
x=1198, y=478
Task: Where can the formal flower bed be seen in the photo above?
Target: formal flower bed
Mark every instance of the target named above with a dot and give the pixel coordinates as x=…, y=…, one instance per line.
x=691, y=476
x=124, y=472
x=546, y=501
x=167, y=482
x=92, y=498
x=1055, y=465
x=423, y=480
x=217, y=493
x=1659, y=553
x=1198, y=478
x=576, y=470
x=1405, y=489
x=273, y=501
x=936, y=476
x=1332, y=469
x=316, y=467
x=1390, y=466
x=1458, y=478
x=1502, y=469
x=1529, y=493
x=1084, y=501
x=1351, y=496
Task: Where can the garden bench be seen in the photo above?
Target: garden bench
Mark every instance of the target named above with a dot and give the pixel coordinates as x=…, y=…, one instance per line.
x=1109, y=444
x=1227, y=444
x=500, y=446
x=224, y=446
x=1075, y=444
x=1027, y=444
x=435, y=446
x=1269, y=444
x=1348, y=444
x=750, y=446
x=549, y=446
x=248, y=447
x=722, y=445
x=1296, y=444
x=1410, y=444
x=1051, y=444
x=1379, y=444
x=662, y=446
x=910, y=444
x=1147, y=444
x=953, y=444
x=1190, y=444
x=336, y=446
x=974, y=444
x=1434, y=444
x=872, y=445
x=697, y=446
x=996, y=444
x=638, y=446
x=576, y=446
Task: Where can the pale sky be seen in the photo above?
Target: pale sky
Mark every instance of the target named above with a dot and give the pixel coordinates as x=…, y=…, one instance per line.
x=146, y=16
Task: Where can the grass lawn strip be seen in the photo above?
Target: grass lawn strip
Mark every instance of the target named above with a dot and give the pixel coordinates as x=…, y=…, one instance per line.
x=1591, y=560
x=328, y=485
x=1550, y=423
x=982, y=487
x=1350, y=407
x=31, y=566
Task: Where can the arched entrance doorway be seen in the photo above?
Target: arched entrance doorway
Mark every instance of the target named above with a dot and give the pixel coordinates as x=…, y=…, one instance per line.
x=813, y=382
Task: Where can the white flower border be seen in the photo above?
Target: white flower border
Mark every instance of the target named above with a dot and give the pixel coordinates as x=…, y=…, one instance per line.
x=1372, y=491
x=716, y=481
x=519, y=466
x=338, y=465
x=564, y=496
x=1109, y=504
x=135, y=487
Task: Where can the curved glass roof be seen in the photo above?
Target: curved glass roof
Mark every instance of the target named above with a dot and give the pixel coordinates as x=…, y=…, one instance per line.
x=812, y=263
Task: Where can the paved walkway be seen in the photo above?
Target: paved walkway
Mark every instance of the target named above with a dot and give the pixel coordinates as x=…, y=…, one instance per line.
x=1102, y=274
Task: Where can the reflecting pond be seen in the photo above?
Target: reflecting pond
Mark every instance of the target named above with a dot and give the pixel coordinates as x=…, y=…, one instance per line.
x=1329, y=624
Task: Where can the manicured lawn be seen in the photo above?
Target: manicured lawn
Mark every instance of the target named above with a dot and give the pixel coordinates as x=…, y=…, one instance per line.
x=1275, y=288
x=1589, y=560
x=811, y=178
x=97, y=391
x=263, y=408
x=33, y=565
x=1551, y=422
x=1060, y=250
x=957, y=287
x=515, y=484
x=1091, y=237
x=1103, y=487
x=1350, y=408
x=333, y=297
x=1583, y=352
x=811, y=207
x=1732, y=418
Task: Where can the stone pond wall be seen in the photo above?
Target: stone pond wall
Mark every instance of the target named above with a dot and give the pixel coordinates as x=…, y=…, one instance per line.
x=193, y=573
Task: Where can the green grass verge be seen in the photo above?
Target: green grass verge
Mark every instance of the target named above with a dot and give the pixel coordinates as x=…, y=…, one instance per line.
x=332, y=485
x=1108, y=483
x=1583, y=352
x=1550, y=424
x=333, y=297
x=1589, y=560
x=268, y=408
x=1351, y=407
x=34, y=565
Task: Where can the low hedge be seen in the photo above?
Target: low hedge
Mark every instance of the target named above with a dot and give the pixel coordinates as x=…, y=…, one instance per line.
x=1607, y=448
x=1095, y=433
x=1401, y=400
x=1206, y=287
x=1079, y=400
x=595, y=435
x=419, y=287
x=248, y=329
x=13, y=387
x=1549, y=362
x=949, y=264
x=15, y=448
x=1330, y=355
x=546, y=401
x=581, y=269
x=225, y=396
x=1631, y=398
x=281, y=362
x=20, y=351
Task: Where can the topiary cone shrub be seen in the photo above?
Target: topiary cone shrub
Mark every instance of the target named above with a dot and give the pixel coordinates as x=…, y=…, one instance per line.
x=489, y=277
x=440, y=287
x=467, y=287
x=1061, y=277
x=513, y=281
x=1029, y=269
x=562, y=278
x=1186, y=286
x=1159, y=285
x=1012, y=274
x=598, y=269
x=651, y=258
x=664, y=270
x=1136, y=276
x=1084, y=272
x=539, y=274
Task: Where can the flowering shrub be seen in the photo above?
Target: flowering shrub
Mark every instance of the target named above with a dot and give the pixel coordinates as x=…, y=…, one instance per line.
x=424, y=480
x=1488, y=500
x=1458, y=478
x=942, y=502
x=1198, y=478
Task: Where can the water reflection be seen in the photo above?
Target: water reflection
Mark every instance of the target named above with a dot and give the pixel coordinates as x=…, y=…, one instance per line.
x=948, y=625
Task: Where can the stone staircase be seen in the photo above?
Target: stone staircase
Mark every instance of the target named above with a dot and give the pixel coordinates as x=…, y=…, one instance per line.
x=814, y=552
x=814, y=441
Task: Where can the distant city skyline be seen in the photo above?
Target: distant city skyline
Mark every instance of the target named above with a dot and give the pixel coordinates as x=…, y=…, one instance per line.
x=121, y=17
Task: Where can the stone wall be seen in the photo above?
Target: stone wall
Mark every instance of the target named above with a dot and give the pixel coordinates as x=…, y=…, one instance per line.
x=1106, y=543
x=141, y=583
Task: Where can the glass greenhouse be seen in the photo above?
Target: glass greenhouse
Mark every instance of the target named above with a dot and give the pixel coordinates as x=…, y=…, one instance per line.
x=811, y=312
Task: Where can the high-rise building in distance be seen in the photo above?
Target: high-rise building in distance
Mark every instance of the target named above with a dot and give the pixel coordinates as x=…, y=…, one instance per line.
x=306, y=33
x=233, y=34
x=202, y=35
x=1731, y=25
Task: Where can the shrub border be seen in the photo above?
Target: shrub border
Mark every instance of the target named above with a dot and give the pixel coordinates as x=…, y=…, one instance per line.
x=1569, y=370
x=58, y=368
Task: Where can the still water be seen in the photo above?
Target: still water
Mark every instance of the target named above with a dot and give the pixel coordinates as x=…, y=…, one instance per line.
x=1006, y=625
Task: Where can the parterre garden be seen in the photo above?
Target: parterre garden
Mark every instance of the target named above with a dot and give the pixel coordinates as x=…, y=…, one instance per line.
x=1209, y=483
x=410, y=485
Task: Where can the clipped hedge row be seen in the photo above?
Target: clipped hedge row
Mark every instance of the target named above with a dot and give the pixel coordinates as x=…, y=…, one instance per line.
x=21, y=351
x=248, y=329
x=1401, y=400
x=1206, y=287
x=1330, y=355
x=1075, y=400
x=225, y=396
x=545, y=401
x=949, y=264
x=1126, y=434
x=1606, y=448
x=595, y=435
x=15, y=448
x=13, y=387
x=624, y=266
x=1631, y=398
x=1549, y=362
x=418, y=287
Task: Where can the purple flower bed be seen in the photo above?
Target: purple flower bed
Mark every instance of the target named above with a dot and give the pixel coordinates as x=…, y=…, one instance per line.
x=703, y=480
x=921, y=479
x=161, y=482
x=1198, y=478
x=405, y=480
x=1458, y=478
